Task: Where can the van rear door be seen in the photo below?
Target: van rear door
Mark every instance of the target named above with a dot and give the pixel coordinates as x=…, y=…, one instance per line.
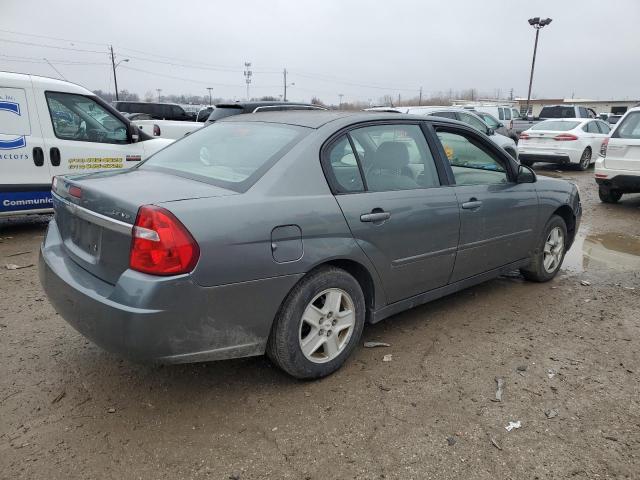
x=83, y=136
x=25, y=178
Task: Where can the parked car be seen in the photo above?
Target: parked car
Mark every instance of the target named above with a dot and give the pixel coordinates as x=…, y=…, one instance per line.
x=158, y=111
x=464, y=115
x=50, y=127
x=498, y=126
x=613, y=119
x=137, y=116
x=286, y=232
x=504, y=113
x=566, y=141
x=554, y=111
x=617, y=169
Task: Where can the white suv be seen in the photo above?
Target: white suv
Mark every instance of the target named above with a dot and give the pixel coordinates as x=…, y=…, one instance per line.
x=618, y=166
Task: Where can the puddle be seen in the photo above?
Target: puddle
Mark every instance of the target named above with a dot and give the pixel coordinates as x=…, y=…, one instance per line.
x=603, y=251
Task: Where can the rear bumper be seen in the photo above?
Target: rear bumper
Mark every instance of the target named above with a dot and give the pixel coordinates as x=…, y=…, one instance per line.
x=167, y=320
x=624, y=180
x=547, y=155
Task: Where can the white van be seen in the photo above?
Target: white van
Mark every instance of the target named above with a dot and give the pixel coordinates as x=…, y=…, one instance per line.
x=51, y=127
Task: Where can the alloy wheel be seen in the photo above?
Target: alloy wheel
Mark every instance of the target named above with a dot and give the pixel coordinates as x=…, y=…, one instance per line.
x=553, y=250
x=327, y=325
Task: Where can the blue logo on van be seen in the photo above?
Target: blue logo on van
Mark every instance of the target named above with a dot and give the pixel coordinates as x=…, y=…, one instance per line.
x=19, y=142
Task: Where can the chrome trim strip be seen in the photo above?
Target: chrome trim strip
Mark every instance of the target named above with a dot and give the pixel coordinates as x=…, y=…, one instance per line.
x=94, y=217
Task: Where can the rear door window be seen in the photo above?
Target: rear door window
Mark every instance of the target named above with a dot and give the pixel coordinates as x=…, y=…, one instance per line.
x=397, y=157
x=604, y=128
x=629, y=127
x=473, y=121
x=344, y=167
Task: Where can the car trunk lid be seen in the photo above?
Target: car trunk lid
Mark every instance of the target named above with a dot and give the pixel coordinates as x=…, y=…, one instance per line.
x=623, y=154
x=95, y=213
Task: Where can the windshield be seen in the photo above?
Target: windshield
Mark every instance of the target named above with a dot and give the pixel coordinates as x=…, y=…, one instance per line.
x=555, y=126
x=221, y=112
x=231, y=155
x=557, y=112
x=489, y=120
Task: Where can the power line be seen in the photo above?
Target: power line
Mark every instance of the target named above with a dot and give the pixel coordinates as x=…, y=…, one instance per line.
x=32, y=44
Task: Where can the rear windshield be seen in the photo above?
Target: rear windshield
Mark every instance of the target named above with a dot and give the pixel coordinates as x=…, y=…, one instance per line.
x=221, y=112
x=229, y=155
x=555, y=126
x=557, y=112
x=614, y=119
x=629, y=127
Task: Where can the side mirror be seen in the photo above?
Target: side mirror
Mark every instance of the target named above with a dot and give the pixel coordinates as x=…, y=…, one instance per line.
x=134, y=133
x=501, y=125
x=526, y=175
x=490, y=131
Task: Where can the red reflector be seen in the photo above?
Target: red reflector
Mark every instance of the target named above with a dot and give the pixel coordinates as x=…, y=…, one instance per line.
x=601, y=175
x=524, y=136
x=565, y=137
x=161, y=244
x=75, y=191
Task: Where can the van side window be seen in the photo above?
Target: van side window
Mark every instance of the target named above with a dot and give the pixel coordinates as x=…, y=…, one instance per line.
x=80, y=118
x=500, y=113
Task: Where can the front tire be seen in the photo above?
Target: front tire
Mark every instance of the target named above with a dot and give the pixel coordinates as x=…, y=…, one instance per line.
x=549, y=253
x=608, y=195
x=585, y=159
x=318, y=325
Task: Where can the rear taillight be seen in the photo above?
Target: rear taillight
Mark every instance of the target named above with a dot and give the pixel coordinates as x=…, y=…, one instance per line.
x=603, y=147
x=75, y=191
x=565, y=137
x=156, y=130
x=524, y=136
x=161, y=244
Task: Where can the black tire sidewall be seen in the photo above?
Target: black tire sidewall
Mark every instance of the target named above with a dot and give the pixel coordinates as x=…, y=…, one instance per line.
x=285, y=347
x=580, y=165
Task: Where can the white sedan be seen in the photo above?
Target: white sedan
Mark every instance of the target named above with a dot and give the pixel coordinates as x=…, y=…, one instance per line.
x=566, y=141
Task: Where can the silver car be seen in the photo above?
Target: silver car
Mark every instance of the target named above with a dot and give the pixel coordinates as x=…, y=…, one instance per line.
x=287, y=232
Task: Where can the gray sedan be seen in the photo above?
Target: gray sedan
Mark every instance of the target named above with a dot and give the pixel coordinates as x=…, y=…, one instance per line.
x=285, y=233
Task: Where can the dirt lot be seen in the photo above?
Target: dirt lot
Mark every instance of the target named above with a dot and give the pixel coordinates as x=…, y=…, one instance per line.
x=70, y=410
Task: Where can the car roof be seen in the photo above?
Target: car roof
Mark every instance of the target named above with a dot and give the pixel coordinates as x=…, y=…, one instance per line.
x=319, y=118
x=265, y=103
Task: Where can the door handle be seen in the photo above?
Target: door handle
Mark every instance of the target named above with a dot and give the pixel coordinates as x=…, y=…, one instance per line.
x=54, y=156
x=472, y=204
x=376, y=215
x=38, y=156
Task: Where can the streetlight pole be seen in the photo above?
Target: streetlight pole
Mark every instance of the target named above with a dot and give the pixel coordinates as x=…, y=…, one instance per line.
x=210, y=88
x=538, y=24
x=114, y=65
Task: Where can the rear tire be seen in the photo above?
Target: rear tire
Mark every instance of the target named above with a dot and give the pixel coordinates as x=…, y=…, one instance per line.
x=549, y=253
x=608, y=195
x=585, y=159
x=319, y=324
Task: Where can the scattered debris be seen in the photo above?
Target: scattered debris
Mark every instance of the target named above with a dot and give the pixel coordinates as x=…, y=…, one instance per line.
x=585, y=283
x=234, y=476
x=495, y=443
x=13, y=266
x=551, y=372
x=513, y=425
x=499, y=389
x=521, y=368
x=531, y=391
x=387, y=358
x=384, y=388
x=17, y=253
x=375, y=344
x=609, y=437
x=274, y=429
x=551, y=413
x=111, y=410
x=59, y=397
x=451, y=441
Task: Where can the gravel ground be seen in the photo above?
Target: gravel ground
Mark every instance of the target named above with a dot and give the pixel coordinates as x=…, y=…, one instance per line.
x=568, y=348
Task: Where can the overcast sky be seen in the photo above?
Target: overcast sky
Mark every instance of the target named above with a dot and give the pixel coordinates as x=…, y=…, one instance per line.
x=362, y=49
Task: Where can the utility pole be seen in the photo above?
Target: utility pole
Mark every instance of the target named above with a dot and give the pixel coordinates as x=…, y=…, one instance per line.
x=420, y=100
x=113, y=64
x=285, y=84
x=398, y=99
x=511, y=94
x=210, y=88
x=340, y=104
x=159, y=90
x=536, y=23
x=247, y=76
